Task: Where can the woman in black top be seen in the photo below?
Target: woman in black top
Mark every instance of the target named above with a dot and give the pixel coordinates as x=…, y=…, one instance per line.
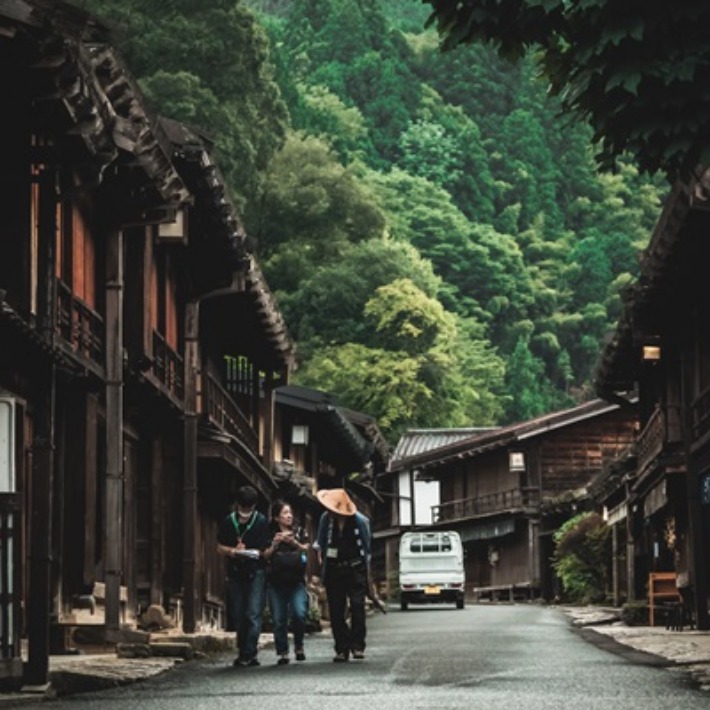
x=286, y=587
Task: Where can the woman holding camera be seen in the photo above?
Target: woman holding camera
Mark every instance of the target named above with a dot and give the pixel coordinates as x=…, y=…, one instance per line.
x=287, y=555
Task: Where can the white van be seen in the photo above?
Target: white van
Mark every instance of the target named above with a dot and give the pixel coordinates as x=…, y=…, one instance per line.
x=431, y=568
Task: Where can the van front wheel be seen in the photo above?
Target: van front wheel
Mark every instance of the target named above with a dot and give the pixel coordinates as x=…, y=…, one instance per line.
x=404, y=604
x=460, y=603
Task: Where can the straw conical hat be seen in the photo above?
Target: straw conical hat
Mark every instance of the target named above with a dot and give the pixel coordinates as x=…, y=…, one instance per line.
x=337, y=501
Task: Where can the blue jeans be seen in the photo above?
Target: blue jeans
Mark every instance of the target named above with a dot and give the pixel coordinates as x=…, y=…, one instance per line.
x=282, y=599
x=246, y=598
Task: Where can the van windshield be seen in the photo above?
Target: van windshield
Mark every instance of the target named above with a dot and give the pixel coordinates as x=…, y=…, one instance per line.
x=430, y=543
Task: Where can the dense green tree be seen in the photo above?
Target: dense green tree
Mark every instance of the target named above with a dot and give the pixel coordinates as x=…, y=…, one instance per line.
x=528, y=167
x=384, y=383
x=325, y=115
x=635, y=72
x=476, y=392
x=426, y=151
x=349, y=48
x=387, y=94
x=446, y=147
x=485, y=87
x=484, y=267
x=422, y=214
x=473, y=190
x=406, y=319
x=407, y=16
x=524, y=380
x=328, y=306
x=590, y=270
x=311, y=209
x=414, y=372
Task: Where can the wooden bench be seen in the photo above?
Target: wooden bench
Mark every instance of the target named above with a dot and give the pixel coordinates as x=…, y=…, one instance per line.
x=662, y=592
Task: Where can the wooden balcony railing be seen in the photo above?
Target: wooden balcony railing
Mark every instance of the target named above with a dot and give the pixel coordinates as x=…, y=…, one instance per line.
x=168, y=366
x=222, y=411
x=661, y=430
x=516, y=499
x=79, y=326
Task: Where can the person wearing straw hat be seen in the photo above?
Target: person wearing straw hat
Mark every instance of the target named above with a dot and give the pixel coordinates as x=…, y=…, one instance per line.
x=344, y=544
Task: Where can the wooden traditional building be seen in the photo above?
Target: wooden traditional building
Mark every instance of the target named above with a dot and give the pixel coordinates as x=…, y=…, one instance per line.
x=319, y=444
x=407, y=496
x=609, y=491
x=507, y=490
x=661, y=351
x=140, y=347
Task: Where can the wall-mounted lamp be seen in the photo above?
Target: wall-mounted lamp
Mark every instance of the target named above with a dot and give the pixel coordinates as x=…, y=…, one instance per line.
x=651, y=353
x=299, y=434
x=174, y=232
x=516, y=461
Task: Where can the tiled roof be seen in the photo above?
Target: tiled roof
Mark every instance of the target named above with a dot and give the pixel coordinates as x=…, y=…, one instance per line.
x=420, y=441
x=479, y=440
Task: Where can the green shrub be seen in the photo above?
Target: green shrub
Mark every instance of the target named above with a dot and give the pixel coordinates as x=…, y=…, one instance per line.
x=582, y=557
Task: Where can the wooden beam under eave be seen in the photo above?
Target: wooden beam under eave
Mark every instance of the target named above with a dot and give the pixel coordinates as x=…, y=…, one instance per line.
x=261, y=480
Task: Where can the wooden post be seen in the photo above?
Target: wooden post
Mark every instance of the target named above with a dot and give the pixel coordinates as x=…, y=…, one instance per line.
x=40, y=592
x=190, y=604
x=157, y=527
x=412, y=501
x=536, y=574
x=91, y=545
x=630, y=548
x=114, y=427
x=255, y=398
x=698, y=564
x=615, y=564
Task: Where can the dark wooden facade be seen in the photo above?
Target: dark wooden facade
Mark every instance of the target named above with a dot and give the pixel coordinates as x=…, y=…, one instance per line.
x=140, y=346
x=506, y=491
x=661, y=352
x=342, y=448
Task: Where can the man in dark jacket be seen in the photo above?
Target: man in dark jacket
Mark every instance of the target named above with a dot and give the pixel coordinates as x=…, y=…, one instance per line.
x=344, y=548
x=242, y=538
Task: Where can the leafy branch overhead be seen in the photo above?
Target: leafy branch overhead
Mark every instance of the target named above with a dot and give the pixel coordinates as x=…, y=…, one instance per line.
x=636, y=71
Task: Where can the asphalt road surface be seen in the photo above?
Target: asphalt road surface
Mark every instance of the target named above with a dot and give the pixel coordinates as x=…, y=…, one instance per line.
x=428, y=658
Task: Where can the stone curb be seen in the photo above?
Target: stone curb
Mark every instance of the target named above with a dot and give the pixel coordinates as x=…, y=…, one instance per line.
x=85, y=672
x=685, y=651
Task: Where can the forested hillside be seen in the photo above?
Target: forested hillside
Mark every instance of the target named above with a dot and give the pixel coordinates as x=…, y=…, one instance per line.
x=441, y=244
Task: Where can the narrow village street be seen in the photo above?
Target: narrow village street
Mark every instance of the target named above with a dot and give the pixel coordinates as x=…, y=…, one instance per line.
x=485, y=656
x=297, y=308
